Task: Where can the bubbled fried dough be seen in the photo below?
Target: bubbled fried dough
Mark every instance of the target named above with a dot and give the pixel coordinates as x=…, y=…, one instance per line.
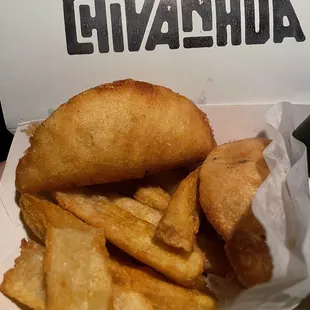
x=117, y=131
x=229, y=179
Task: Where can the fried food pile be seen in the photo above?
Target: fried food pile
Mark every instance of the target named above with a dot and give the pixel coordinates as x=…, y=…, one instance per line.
x=131, y=205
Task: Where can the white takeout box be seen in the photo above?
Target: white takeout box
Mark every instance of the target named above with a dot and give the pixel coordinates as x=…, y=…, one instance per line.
x=52, y=50
x=229, y=122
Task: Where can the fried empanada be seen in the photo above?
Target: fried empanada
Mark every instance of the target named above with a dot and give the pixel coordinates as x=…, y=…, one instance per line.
x=229, y=179
x=117, y=131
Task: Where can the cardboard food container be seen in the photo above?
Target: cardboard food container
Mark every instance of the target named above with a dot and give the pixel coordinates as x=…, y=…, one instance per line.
x=230, y=122
x=233, y=59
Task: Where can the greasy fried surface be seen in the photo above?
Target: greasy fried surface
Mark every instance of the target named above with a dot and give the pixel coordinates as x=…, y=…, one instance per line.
x=25, y=282
x=113, y=132
x=163, y=295
x=248, y=252
x=134, y=236
x=180, y=223
x=77, y=272
x=125, y=299
x=198, y=284
x=229, y=179
x=153, y=196
x=139, y=210
x=38, y=213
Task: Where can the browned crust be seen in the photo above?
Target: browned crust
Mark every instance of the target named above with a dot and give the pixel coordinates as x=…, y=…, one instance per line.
x=112, y=132
x=24, y=282
x=250, y=257
x=229, y=179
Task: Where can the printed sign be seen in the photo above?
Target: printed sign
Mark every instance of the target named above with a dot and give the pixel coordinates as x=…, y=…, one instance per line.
x=212, y=51
x=285, y=23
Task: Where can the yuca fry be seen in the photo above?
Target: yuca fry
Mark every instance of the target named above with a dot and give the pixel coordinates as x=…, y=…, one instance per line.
x=38, y=212
x=25, y=282
x=132, y=235
x=198, y=284
x=139, y=210
x=77, y=270
x=163, y=295
x=179, y=225
x=153, y=196
x=125, y=299
x=143, y=280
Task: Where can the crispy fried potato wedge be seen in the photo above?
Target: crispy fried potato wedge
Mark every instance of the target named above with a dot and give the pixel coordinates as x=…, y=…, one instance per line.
x=140, y=286
x=132, y=235
x=179, y=225
x=126, y=299
x=25, y=282
x=77, y=272
x=163, y=295
x=38, y=212
x=153, y=196
x=139, y=210
x=198, y=284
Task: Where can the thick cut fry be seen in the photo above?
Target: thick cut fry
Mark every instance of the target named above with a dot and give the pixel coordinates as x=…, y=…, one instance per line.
x=125, y=299
x=39, y=212
x=163, y=295
x=127, y=276
x=139, y=210
x=153, y=196
x=179, y=225
x=198, y=284
x=25, y=282
x=132, y=235
x=77, y=272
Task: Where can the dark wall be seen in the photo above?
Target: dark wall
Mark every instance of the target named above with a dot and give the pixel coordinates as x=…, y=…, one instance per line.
x=5, y=138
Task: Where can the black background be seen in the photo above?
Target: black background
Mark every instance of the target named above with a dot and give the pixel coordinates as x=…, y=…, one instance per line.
x=5, y=138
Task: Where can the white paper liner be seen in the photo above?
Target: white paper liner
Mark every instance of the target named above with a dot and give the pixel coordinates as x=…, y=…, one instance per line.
x=282, y=205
